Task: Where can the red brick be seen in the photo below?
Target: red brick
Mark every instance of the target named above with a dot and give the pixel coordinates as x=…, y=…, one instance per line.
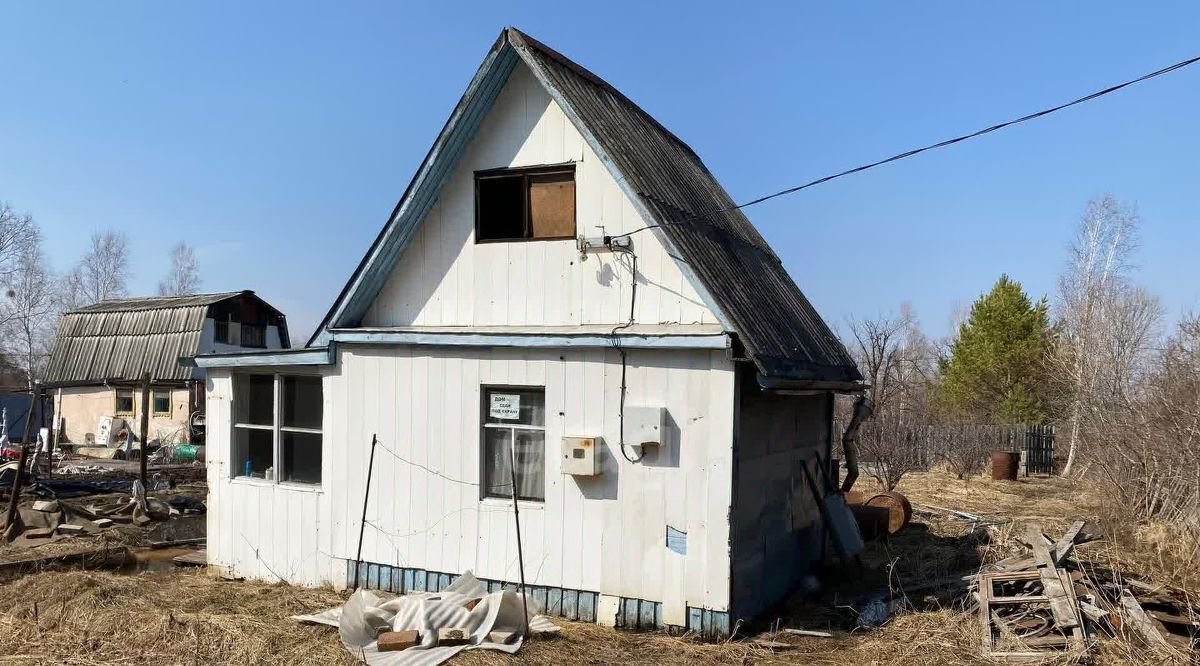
x=392, y=641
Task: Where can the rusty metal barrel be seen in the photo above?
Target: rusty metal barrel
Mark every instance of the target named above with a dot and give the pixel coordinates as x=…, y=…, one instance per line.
x=898, y=507
x=1005, y=465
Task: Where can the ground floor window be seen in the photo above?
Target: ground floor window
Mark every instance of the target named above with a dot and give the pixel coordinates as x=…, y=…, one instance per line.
x=277, y=427
x=514, y=417
x=162, y=402
x=124, y=402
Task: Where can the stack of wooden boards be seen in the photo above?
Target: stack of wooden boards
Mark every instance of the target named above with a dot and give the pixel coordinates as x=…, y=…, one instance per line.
x=1047, y=602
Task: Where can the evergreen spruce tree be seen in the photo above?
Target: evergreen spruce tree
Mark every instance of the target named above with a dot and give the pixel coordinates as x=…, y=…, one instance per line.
x=995, y=372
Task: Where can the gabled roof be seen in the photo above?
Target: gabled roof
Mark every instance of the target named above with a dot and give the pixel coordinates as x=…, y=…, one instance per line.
x=730, y=263
x=120, y=339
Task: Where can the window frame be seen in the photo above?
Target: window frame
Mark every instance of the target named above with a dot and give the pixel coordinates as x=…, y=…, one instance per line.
x=526, y=173
x=117, y=411
x=276, y=428
x=484, y=391
x=260, y=333
x=154, y=394
x=221, y=326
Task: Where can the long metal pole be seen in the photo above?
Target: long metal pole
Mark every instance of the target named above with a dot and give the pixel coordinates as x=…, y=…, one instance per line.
x=363, y=526
x=145, y=429
x=19, y=480
x=512, y=469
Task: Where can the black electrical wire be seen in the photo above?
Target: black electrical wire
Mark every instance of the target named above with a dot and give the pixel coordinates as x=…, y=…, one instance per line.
x=940, y=144
x=616, y=343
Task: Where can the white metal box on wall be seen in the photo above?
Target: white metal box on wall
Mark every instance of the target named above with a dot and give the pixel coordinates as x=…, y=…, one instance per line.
x=580, y=457
x=645, y=426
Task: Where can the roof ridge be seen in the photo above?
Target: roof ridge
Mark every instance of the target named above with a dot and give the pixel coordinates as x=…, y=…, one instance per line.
x=524, y=39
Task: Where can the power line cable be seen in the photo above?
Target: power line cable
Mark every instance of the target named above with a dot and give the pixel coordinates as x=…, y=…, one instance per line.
x=940, y=144
x=972, y=135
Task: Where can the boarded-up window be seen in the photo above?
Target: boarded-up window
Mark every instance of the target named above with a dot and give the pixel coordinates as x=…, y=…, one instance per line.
x=525, y=204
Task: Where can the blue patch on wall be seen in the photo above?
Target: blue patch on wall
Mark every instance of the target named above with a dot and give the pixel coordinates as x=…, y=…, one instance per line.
x=676, y=541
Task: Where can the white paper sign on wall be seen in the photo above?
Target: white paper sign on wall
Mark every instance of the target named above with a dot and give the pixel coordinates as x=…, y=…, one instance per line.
x=505, y=406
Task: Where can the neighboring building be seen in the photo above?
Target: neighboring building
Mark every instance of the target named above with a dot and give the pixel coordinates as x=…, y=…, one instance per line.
x=101, y=352
x=479, y=319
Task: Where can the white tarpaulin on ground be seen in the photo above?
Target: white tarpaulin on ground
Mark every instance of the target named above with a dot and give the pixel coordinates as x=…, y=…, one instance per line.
x=368, y=613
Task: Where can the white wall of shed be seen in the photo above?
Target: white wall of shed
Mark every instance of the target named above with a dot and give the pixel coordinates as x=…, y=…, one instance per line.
x=444, y=278
x=606, y=534
x=261, y=529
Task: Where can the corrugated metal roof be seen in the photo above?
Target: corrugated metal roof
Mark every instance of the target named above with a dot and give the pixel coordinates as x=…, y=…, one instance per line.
x=746, y=281
x=120, y=339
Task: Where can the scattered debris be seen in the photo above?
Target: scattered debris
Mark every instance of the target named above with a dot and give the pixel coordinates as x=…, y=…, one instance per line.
x=196, y=558
x=394, y=641
x=445, y=626
x=48, y=506
x=807, y=632
x=1046, y=603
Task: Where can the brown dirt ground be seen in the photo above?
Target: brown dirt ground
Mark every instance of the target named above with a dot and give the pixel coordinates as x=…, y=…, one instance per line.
x=188, y=617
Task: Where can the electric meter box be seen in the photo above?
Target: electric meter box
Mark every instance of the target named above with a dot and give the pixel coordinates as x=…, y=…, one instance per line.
x=645, y=426
x=580, y=456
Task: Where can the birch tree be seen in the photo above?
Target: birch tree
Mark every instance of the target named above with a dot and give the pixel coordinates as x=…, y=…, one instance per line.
x=100, y=273
x=29, y=310
x=183, y=279
x=1100, y=260
x=16, y=230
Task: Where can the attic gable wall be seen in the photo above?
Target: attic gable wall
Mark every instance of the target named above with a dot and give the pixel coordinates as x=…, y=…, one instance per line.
x=444, y=279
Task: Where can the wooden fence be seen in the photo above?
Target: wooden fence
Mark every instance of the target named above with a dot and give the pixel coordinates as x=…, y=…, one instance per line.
x=922, y=445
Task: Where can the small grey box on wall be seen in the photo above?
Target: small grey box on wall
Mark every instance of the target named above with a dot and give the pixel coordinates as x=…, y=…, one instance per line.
x=580, y=457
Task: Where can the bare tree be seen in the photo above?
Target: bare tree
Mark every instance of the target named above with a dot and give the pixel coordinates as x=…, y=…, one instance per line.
x=876, y=345
x=30, y=310
x=1100, y=262
x=100, y=273
x=16, y=230
x=895, y=359
x=184, y=276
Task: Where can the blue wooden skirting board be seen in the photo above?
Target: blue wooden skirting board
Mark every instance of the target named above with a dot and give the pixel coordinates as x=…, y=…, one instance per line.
x=572, y=604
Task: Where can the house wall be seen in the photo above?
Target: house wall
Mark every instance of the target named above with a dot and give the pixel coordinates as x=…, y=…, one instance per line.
x=209, y=344
x=776, y=523
x=444, y=278
x=605, y=534
x=81, y=409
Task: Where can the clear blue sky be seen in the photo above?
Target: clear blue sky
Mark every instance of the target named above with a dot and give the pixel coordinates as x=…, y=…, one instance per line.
x=277, y=138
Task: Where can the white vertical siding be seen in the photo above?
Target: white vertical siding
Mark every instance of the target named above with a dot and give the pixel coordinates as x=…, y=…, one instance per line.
x=445, y=279
x=258, y=529
x=606, y=534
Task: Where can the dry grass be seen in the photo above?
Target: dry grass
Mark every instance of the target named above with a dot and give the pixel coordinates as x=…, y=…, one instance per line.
x=85, y=618
x=191, y=618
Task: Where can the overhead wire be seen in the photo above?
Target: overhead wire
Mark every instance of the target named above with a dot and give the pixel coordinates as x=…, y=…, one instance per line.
x=933, y=146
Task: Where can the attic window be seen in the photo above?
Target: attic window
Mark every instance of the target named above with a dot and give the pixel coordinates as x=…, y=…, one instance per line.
x=525, y=204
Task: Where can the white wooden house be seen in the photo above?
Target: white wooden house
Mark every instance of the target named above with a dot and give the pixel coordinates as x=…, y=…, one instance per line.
x=560, y=267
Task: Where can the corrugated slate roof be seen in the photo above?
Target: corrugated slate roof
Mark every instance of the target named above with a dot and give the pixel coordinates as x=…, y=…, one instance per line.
x=157, y=302
x=121, y=345
x=119, y=339
x=746, y=282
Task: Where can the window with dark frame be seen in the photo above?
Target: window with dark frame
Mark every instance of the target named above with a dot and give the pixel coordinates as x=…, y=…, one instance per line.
x=254, y=335
x=161, y=401
x=277, y=427
x=525, y=204
x=514, y=416
x=123, y=401
x=221, y=331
